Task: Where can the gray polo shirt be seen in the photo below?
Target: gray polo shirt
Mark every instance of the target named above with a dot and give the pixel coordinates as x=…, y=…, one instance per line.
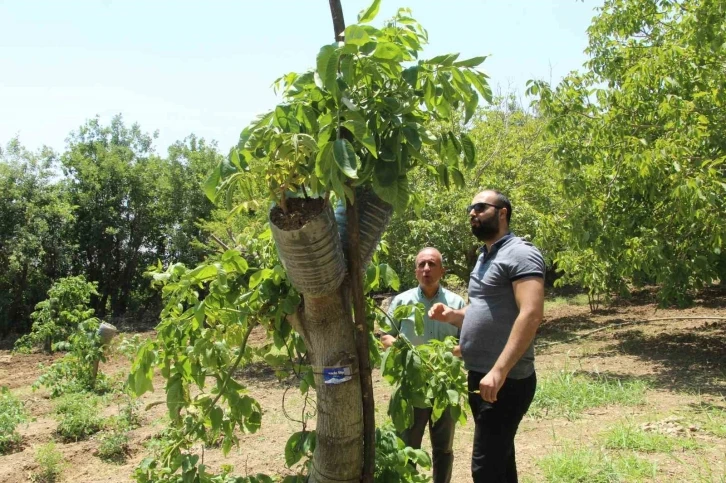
x=432, y=329
x=492, y=308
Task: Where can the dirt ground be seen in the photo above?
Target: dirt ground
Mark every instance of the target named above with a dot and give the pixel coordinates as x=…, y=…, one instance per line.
x=678, y=351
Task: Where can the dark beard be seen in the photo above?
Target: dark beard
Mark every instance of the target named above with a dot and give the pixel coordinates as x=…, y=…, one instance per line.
x=486, y=230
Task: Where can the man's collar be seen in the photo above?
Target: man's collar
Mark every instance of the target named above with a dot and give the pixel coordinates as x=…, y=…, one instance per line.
x=498, y=243
x=422, y=294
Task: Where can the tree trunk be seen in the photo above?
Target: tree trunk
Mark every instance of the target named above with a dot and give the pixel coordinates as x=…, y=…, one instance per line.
x=355, y=272
x=327, y=328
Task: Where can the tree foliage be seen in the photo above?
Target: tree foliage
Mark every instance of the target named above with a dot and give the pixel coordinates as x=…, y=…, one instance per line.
x=105, y=208
x=638, y=137
x=58, y=316
x=361, y=118
x=35, y=220
x=513, y=157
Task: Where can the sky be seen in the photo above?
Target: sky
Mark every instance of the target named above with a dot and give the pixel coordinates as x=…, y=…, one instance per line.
x=183, y=66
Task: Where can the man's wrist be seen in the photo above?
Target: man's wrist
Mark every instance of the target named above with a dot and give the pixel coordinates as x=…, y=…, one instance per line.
x=500, y=369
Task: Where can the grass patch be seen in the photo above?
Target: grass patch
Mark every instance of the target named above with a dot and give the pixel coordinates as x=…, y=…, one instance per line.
x=577, y=465
x=708, y=473
x=568, y=393
x=710, y=417
x=630, y=437
x=579, y=299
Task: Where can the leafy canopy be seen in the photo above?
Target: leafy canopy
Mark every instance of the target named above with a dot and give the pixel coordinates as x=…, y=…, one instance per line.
x=360, y=118
x=639, y=139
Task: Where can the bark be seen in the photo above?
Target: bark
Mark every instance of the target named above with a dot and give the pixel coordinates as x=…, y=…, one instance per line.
x=336, y=11
x=327, y=329
x=355, y=271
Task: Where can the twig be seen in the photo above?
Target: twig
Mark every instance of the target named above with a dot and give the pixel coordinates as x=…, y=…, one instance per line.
x=219, y=242
x=632, y=322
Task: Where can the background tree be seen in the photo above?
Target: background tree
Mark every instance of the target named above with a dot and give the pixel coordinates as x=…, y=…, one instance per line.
x=190, y=162
x=133, y=207
x=35, y=221
x=638, y=138
x=512, y=156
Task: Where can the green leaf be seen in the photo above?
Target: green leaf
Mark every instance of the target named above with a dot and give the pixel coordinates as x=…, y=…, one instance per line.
x=260, y=276
x=453, y=397
x=327, y=66
x=388, y=51
x=445, y=60
x=458, y=178
x=216, y=415
x=479, y=82
x=471, y=101
x=211, y=183
x=369, y=13
x=418, y=321
x=203, y=273
x=469, y=150
x=389, y=276
x=473, y=62
x=175, y=396
x=290, y=303
x=232, y=258
x=443, y=171
x=361, y=132
x=141, y=382
x=396, y=194
x=412, y=137
x=356, y=35
x=345, y=158
x=372, y=277
x=298, y=445
x=324, y=162
x=410, y=75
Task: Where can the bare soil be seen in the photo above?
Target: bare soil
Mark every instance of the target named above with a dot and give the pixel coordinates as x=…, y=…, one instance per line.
x=680, y=352
x=299, y=212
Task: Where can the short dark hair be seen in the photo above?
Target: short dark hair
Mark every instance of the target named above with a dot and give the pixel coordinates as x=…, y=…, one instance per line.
x=503, y=201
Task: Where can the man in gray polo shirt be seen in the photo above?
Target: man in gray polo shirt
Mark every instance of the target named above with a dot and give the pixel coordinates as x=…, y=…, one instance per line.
x=429, y=270
x=506, y=302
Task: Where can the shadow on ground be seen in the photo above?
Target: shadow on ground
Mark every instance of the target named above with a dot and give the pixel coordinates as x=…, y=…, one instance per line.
x=261, y=371
x=692, y=360
x=563, y=328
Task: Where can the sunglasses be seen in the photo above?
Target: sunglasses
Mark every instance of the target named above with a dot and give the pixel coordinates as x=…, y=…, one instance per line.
x=479, y=207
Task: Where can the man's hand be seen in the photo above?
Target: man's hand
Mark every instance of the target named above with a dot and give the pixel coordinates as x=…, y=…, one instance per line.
x=441, y=312
x=456, y=351
x=490, y=385
x=387, y=340
x=444, y=313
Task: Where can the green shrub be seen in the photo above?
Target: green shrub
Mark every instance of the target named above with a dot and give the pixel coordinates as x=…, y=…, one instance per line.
x=113, y=446
x=12, y=413
x=78, y=416
x=129, y=416
x=50, y=464
x=74, y=372
x=57, y=317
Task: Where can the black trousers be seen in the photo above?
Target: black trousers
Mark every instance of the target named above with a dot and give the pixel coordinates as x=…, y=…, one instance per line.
x=442, y=440
x=493, y=459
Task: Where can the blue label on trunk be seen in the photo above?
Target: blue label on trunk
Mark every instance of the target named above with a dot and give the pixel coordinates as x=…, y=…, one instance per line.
x=336, y=375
